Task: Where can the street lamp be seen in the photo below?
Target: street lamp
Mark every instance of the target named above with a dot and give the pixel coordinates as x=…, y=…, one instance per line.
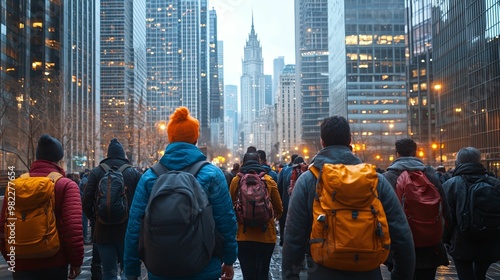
x=437, y=87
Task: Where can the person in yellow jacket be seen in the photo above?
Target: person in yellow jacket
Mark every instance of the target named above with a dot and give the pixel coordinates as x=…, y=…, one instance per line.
x=256, y=244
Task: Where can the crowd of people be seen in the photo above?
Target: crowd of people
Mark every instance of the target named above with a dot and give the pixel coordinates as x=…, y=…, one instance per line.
x=339, y=218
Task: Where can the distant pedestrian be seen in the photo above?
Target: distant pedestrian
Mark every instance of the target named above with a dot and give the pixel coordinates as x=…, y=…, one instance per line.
x=265, y=165
x=85, y=222
x=52, y=262
x=256, y=243
x=283, y=186
x=337, y=160
x=473, y=251
x=236, y=169
x=109, y=235
x=428, y=256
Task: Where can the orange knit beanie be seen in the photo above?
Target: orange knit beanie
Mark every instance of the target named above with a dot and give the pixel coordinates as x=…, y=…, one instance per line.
x=182, y=127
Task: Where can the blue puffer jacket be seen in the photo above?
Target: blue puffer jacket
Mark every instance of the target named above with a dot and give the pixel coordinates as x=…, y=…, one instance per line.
x=177, y=156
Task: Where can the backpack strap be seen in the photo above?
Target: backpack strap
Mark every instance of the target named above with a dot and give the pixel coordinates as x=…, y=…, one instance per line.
x=123, y=167
x=160, y=169
x=105, y=167
x=54, y=176
x=195, y=168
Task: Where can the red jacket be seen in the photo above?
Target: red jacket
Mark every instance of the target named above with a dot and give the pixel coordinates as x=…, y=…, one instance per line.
x=69, y=222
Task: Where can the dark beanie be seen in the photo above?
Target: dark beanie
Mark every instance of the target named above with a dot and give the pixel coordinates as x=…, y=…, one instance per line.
x=115, y=149
x=262, y=155
x=49, y=148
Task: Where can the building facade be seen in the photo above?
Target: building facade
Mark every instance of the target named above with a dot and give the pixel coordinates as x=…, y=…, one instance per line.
x=278, y=66
x=419, y=81
x=122, y=83
x=216, y=116
x=465, y=42
x=373, y=40
x=49, y=78
x=311, y=57
x=288, y=115
x=231, y=117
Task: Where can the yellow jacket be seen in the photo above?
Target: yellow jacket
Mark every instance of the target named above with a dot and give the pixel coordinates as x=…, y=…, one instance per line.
x=256, y=234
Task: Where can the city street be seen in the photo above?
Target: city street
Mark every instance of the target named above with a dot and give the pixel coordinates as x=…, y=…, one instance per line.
x=444, y=273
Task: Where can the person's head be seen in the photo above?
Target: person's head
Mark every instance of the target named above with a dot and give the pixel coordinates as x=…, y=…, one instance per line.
x=236, y=167
x=251, y=157
x=49, y=148
x=297, y=161
x=115, y=149
x=468, y=154
x=335, y=131
x=406, y=147
x=251, y=149
x=294, y=156
x=441, y=169
x=182, y=127
x=262, y=155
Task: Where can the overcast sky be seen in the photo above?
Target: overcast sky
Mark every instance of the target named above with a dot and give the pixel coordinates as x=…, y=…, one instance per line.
x=274, y=25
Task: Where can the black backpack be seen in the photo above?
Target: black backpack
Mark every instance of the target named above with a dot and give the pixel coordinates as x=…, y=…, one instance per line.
x=177, y=236
x=111, y=204
x=480, y=216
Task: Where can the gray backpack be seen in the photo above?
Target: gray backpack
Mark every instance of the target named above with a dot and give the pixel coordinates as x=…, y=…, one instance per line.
x=111, y=205
x=177, y=235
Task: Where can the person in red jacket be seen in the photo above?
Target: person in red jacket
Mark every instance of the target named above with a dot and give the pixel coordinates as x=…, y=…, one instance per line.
x=68, y=212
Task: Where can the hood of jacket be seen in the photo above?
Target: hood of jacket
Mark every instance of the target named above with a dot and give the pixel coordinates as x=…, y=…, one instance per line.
x=407, y=163
x=252, y=165
x=179, y=155
x=45, y=166
x=335, y=154
x=469, y=168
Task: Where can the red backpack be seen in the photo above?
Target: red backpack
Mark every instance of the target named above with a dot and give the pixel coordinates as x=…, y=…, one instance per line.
x=422, y=205
x=253, y=205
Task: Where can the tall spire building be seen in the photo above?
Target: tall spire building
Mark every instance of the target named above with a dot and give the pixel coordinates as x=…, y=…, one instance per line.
x=253, y=87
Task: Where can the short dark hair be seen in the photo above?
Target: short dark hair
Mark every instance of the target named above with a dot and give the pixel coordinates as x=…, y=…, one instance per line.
x=294, y=156
x=406, y=147
x=335, y=131
x=251, y=149
x=468, y=154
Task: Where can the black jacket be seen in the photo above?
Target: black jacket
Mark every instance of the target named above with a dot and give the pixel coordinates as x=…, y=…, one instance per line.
x=426, y=257
x=462, y=247
x=108, y=233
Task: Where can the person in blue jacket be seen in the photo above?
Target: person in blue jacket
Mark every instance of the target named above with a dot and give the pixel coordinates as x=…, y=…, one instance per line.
x=183, y=132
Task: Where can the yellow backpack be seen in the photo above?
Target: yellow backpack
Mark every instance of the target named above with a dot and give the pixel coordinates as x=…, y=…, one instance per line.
x=349, y=230
x=30, y=225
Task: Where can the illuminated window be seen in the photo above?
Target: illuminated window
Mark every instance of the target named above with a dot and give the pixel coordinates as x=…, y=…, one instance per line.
x=37, y=24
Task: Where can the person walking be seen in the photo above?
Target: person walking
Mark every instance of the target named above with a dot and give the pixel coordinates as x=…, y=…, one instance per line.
x=283, y=185
x=108, y=236
x=85, y=222
x=256, y=243
x=336, y=153
x=472, y=253
x=68, y=221
x=182, y=152
x=265, y=165
x=428, y=258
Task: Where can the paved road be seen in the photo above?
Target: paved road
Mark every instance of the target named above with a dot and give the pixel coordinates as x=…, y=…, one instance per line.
x=444, y=273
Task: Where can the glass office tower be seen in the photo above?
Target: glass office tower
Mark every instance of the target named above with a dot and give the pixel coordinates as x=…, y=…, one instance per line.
x=466, y=65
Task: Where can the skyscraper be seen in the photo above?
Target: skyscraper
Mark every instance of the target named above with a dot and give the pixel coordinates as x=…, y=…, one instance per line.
x=288, y=114
x=231, y=116
x=49, y=80
x=373, y=40
x=216, y=127
x=269, y=90
x=178, y=61
x=419, y=79
x=122, y=81
x=278, y=66
x=253, y=85
x=466, y=66
x=311, y=50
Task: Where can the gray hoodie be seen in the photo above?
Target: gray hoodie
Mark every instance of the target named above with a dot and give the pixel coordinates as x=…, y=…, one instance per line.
x=299, y=221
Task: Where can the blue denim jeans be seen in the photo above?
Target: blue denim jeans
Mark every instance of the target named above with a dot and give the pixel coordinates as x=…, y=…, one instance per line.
x=111, y=255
